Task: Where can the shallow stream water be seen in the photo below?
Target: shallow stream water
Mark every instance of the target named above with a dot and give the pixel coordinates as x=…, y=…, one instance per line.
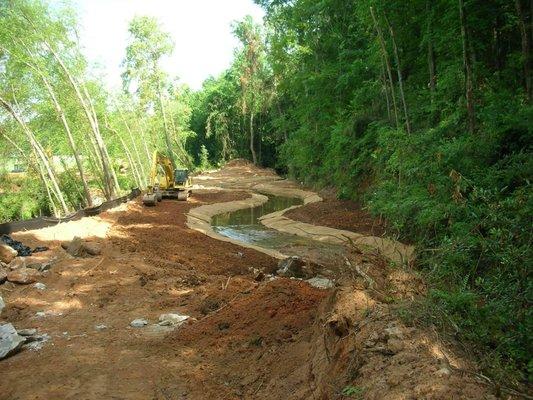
x=244, y=225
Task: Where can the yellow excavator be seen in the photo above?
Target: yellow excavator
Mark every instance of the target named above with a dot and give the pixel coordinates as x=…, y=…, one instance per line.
x=166, y=181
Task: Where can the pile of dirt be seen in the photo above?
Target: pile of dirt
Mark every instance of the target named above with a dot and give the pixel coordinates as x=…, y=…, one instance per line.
x=339, y=214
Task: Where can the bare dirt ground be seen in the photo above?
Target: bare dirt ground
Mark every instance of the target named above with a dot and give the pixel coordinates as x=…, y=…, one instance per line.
x=340, y=214
x=279, y=339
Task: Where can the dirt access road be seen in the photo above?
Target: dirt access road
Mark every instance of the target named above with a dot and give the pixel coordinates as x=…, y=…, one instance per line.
x=278, y=339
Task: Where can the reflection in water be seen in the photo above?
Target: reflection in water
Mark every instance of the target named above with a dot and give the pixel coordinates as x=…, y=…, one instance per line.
x=243, y=225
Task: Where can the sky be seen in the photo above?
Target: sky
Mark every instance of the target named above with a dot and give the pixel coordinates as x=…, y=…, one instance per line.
x=201, y=30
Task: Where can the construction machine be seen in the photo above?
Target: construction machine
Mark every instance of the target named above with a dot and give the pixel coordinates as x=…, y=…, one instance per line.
x=166, y=181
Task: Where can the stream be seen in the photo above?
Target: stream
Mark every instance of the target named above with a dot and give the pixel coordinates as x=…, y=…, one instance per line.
x=244, y=226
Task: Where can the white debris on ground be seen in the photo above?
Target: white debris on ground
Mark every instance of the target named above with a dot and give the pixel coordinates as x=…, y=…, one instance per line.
x=138, y=323
x=172, y=319
x=321, y=283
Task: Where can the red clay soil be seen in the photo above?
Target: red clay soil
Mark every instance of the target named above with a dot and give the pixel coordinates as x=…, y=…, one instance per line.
x=274, y=339
x=340, y=214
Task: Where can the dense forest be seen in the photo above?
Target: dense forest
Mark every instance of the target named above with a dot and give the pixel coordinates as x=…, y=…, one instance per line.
x=421, y=112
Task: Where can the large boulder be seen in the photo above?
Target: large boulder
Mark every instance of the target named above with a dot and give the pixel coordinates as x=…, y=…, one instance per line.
x=10, y=340
x=7, y=253
x=23, y=275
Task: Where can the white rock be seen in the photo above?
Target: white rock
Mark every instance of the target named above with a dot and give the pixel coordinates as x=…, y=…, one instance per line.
x=40, y=286
x=27, y=332
x=100, y=327
x=2, y=304
x=10, y=340
x=138, y=323
x=172, y=319
x=42, y=314
x=321, y=283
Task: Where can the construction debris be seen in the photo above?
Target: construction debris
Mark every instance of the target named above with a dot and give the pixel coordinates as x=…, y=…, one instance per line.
x=19, y=247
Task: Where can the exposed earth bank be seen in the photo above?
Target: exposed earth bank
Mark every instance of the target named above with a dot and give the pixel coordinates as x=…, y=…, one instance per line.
x=248, y=336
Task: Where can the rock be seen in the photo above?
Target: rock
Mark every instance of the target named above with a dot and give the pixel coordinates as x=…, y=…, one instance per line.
x=78, y=248
x=10, y=341
x=40, y=286
x=39, y=266
x=138, y=323
x=19, y=262
x=321, y=283
x=3, y=275
x=23, y=276
x=75, y=247
x=291, y=267
x=43, y=314
x=395, y=345
x=393, y=332
x=92, y=248
x=2, y=304
x=100, y=327
x=27, y=332
x=172, y=319
x=19, y=247
x=7, y=253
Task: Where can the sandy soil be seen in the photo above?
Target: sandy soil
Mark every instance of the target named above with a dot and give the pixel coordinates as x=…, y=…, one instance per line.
x=279, y=339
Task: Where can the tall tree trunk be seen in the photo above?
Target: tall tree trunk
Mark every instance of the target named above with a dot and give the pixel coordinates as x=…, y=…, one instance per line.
x=525, y=47
x=167, y=133
x=385, y=90
x=145, y=143
x=252, y=148
x=40, y=154
x=72, y=143
x=111, y=170
x=467, y=64
x=400, y=79
x=385, y=56
x=61, y=115
x=136, y=151
x=109, y=181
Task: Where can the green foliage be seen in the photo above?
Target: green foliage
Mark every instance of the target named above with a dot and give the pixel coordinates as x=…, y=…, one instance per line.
x=204, y=159
x=22, y=199
x=353, y=392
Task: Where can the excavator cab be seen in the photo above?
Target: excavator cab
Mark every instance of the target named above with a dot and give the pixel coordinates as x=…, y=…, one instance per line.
x=181, y=176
